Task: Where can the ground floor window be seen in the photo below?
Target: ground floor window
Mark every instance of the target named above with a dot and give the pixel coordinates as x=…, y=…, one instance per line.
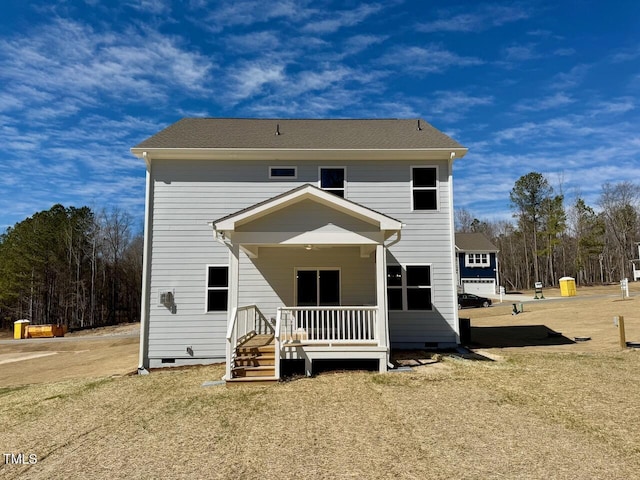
x=409, y=287
x=217, y=288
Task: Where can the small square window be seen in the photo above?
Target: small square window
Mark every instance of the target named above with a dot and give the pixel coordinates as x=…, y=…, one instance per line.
x=333, y=180
x=218, y=277
x=418, y=299
x=424, y=177
x=418, y=276
x=217, y=300
x=425, y=200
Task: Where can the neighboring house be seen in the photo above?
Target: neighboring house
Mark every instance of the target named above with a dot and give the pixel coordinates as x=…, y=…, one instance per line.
x=477, y=264
x=296, y=239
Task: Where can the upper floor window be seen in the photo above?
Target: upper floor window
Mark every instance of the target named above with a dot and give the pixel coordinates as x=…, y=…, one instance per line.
x=477, y=260
x=284, y=173
x=424, y=188
x=333, y=179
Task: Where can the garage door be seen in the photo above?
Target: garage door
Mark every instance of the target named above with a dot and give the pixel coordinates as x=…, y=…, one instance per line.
x=479, y=286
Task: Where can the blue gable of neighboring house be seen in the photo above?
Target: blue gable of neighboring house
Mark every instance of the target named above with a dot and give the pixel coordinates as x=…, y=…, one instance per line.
x=477, y=264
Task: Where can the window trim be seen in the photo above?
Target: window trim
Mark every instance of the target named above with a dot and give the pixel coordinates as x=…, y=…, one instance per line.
x=208, y=288
x=405, y=287
x=481, y=264
x=283, y=177
x=334, y=167
x=436, y=188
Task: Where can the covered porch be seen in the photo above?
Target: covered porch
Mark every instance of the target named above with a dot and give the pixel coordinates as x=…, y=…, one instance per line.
x=307, y=279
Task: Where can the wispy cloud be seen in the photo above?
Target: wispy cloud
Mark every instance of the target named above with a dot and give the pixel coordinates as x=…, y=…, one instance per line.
x=570, y=79
x=254, y=41
x=428, y=59
x=521, y=52
x=251, y=78
x=232, y=13
x=339, y=19
x=455, y=104
x=626, y=55
x=614, y=106
x=483, y=18
x=73, y=64
x=556, y=100
x=154, y=7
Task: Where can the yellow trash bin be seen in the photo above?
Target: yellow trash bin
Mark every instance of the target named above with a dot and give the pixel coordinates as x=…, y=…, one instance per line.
x=568, y=287
x=20, y=329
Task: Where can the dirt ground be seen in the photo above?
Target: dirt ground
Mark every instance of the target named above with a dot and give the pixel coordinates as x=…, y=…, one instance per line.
x=553, y=324
x=85, y=354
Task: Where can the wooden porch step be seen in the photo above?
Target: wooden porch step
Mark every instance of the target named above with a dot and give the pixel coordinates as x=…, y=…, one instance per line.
x=264, y=349
x=260, y=371
x=255, y=360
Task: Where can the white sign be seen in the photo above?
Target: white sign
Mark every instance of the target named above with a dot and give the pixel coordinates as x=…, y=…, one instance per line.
x=538, y=284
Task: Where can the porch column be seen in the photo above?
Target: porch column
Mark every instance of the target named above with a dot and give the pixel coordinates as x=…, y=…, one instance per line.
x=234, y=262
x=232, y=301
x=381, y=292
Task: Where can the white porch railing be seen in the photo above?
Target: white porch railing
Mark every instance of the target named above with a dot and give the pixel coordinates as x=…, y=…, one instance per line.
x=246, y=322
x=333, y=325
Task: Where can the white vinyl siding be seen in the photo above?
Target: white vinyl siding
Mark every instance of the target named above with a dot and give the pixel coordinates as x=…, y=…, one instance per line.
x=190, y=194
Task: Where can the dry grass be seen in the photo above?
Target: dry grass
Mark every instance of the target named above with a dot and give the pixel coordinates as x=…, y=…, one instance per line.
x=530, y=415
x=562, y=412
x=533, y=415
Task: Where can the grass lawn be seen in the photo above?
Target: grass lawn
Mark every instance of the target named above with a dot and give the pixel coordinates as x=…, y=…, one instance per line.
x=537, y=411
x=528, y=415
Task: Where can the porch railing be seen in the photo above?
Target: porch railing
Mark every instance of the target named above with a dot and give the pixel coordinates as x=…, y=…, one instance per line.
x=331, y=325
x=246, y=322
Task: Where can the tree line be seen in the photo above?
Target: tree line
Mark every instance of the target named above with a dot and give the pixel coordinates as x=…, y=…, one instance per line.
x=71, y=266
x=549, y=240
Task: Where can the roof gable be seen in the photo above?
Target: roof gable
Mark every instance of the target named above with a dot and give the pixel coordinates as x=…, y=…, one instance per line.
x=304, y=193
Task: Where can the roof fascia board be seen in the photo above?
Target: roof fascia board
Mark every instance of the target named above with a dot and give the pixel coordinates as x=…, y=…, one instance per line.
x=299, y=154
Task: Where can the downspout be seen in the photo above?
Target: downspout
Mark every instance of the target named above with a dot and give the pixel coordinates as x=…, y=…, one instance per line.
x=146, y=274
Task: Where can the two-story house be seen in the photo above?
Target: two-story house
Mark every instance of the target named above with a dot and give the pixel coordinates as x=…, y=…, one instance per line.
x=271, y=239
x=477, y=263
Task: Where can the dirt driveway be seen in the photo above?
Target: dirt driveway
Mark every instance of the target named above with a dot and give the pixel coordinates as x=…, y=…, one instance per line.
x=109, y=351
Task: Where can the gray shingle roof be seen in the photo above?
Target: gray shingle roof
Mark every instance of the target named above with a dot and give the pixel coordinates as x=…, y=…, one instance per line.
x=474, y=242
x=299, y=134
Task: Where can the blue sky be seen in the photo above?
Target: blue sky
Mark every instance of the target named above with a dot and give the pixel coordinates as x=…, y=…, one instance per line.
x=537, y=85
